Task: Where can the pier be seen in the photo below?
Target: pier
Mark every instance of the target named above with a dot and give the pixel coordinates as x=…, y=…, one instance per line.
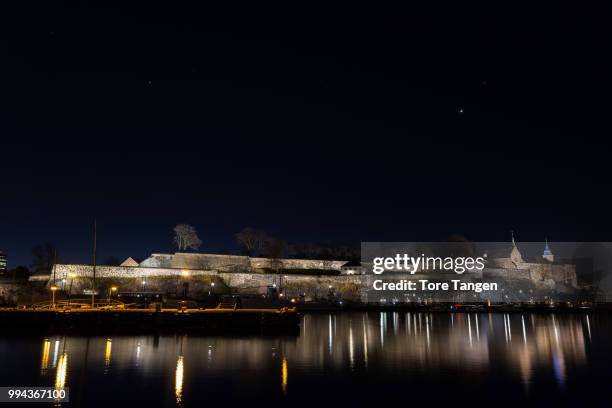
x=98, y=320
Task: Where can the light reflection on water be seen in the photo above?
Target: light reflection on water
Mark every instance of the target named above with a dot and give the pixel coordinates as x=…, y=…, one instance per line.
x=389, y=344
x=178, y=381
x=107, y=353
x=44, y=361
x=60, y=375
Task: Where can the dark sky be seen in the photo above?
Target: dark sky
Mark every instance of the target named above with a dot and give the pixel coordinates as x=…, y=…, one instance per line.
x=315, y=124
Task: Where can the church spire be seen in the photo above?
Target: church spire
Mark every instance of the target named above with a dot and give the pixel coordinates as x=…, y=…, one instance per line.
x=548, y=255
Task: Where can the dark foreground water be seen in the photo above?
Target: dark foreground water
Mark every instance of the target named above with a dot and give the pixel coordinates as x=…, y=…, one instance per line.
x=341, y=360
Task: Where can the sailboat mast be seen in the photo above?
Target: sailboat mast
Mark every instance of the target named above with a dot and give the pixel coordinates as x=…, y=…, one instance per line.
x=93, y=282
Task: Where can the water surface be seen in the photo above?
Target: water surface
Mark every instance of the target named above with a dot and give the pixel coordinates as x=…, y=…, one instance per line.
x=348, y=359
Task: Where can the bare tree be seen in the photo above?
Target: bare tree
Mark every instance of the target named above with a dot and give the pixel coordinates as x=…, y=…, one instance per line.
x=251, y=240
x=309, y=250
x=274, y=248
x=186, y=236
x=306, y=250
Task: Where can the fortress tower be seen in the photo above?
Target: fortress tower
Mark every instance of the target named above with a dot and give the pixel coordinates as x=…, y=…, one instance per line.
x=548, y=255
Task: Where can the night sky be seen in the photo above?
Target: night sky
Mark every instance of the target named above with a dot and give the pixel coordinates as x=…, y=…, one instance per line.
x=325, y=124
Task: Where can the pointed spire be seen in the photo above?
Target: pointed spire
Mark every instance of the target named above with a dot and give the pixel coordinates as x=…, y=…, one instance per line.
x=512, y=233
x=548, y=255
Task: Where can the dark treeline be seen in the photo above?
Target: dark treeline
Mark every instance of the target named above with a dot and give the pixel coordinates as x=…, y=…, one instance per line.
x=43, y=258
x=254, y=242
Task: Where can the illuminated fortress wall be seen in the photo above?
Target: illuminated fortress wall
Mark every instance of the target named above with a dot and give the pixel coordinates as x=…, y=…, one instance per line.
x=515, y=284
x=237, y=263
x=517, y=280
x=171, y=280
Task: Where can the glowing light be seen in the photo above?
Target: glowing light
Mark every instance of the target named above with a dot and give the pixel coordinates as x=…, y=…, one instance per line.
x=113, y=289
x=284, y=374
x=44, y=362
x=53, y=289
x=331, y=338
x=365, y=343
x=470, y=329
x=509, y=327
x=55, y=352
x=427, y=330
x=559, y=366
x=396, y=323
x=178, y=380
x=351, y=347
x=185, y=272
x=60, y=375
x=588, y=326
x=383, y=328
x=107, y=352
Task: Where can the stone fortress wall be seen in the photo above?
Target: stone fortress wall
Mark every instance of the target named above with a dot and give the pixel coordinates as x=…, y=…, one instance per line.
x=543, y=273
x=169, y=273
x=169, y=280
x=237, y=263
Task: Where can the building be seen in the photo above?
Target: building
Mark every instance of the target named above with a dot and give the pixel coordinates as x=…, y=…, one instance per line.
x=548, y=255
x=530, y=273
x=130, y=262
x=542, y=270
x=352, y=268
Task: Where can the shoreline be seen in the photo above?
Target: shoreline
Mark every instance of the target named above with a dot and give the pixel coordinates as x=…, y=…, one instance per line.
x=282, y=320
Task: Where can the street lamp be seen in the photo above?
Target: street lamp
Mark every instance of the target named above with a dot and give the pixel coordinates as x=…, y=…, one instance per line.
x=112, y=289
x=53, y=289
x=212, y=288
x=144, y=282
x=185, y=273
